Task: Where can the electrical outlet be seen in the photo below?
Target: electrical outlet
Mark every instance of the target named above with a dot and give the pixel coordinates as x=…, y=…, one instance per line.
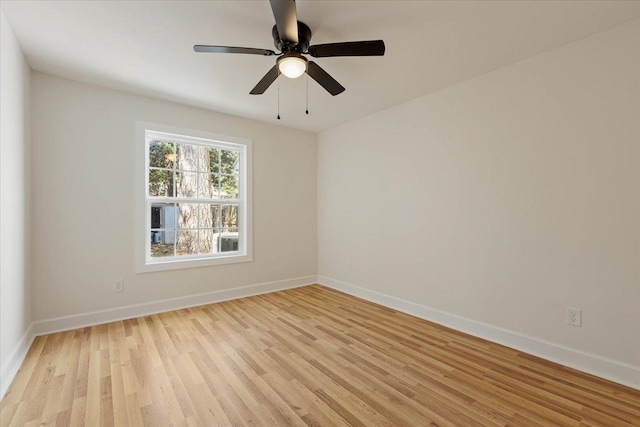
x=348, y=267
x=118, y=285
x=574, y=316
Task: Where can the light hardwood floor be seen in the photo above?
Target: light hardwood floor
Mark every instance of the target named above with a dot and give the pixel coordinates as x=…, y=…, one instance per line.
x=306, y=356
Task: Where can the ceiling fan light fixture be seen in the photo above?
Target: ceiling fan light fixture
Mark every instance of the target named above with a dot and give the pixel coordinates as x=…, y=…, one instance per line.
x=292, y=38
x=292, y=66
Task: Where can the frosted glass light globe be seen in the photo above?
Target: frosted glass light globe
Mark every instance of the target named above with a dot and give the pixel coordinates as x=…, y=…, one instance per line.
x=292, y=66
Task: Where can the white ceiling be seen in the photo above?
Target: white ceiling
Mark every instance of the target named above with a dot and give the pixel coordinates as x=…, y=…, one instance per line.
x=146, y=47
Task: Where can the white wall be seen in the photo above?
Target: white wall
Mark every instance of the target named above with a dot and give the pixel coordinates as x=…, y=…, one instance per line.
x=83, y=200
x=504, y=199
x=15, y=288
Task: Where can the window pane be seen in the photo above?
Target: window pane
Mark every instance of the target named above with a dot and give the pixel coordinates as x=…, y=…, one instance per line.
x=214, y=159
x=208, y=241
x=162, y=243
x=171, y=216
x=209, y=216
x=187, y=215
x=193, y=158
x=161, y=154
x=229, y=240
x=187, y=243
x=163, y=215
x=209, y=187
x=229, y=187
x=229, y=161
x=187, y=184
x=230, y=216
x=161, y=183
x=156, y=217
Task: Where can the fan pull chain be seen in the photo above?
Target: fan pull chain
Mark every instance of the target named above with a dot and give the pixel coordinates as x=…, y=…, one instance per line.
x=307, y=110
x=278, y=99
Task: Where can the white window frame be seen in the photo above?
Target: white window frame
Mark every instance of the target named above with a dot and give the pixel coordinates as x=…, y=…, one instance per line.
x=144, y=262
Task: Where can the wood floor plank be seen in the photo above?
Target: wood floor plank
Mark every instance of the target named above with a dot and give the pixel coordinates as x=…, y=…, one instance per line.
x=305, y=356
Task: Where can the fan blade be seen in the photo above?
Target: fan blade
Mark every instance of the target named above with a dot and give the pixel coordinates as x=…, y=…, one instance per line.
x=266, y=81
x=284, y=11
x=364, y=48
x=231, y=49
x=324, y=79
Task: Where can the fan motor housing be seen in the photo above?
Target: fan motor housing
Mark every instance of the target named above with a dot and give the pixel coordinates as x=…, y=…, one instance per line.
x=304, y=38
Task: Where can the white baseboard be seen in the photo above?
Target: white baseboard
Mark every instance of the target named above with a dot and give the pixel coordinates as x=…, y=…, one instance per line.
x=587, y=362
x=76, y=321
x=13, y=362
x=594, y=364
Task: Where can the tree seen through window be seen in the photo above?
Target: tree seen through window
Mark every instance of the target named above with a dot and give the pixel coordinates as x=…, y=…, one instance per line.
x=204, y=181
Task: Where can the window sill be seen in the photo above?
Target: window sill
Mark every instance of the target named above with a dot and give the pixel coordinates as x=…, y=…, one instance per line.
x=178, y=264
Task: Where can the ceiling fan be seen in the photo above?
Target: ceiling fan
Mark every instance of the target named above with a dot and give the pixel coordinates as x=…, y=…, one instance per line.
x=291, y=37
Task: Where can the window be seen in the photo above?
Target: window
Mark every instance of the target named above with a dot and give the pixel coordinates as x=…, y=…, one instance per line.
x=196, y=198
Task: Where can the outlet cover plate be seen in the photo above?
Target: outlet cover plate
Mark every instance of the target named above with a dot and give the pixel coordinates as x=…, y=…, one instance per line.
x=574, y=316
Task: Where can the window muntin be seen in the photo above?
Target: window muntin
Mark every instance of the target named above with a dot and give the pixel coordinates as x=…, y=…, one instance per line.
x=195, y=198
